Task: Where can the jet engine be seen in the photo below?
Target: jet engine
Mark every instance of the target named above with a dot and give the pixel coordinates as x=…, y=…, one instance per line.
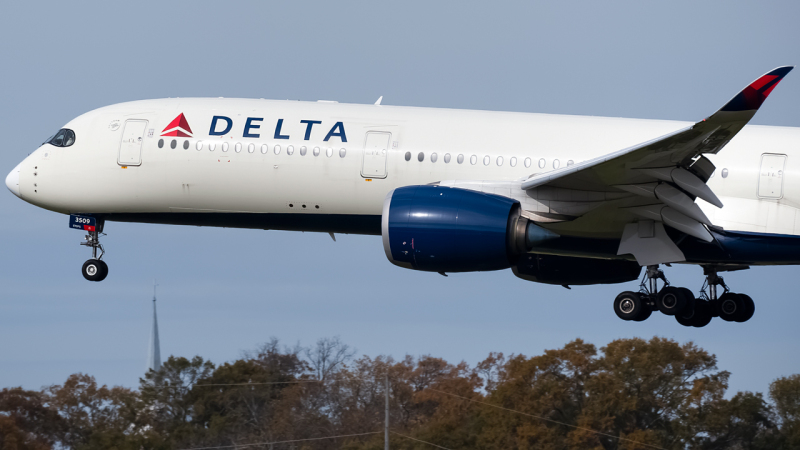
x=444, y=229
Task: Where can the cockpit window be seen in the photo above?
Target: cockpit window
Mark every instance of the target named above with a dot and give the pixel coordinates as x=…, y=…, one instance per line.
x=64, y=138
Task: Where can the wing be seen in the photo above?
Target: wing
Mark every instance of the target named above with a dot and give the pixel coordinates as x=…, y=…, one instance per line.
x=678, y=149
x=655, y=181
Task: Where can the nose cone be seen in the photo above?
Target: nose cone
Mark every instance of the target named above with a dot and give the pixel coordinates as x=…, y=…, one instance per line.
x=12, y=180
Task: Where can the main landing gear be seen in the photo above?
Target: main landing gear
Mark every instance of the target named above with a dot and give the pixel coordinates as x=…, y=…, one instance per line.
x=681, y=303
x=94, y=269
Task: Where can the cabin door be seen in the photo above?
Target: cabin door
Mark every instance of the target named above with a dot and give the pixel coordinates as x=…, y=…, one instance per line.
x=770, y=175
x=376, y=151
x=130, y=148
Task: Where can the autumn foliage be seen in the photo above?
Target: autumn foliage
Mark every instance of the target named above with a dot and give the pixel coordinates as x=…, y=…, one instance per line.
x=630, y=394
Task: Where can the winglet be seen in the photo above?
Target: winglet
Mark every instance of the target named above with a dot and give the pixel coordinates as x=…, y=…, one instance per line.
x=751, y=97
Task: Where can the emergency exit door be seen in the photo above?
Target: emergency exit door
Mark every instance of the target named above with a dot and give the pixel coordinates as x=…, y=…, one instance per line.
x=376, y=151
x=770, y=175
x=130, y=148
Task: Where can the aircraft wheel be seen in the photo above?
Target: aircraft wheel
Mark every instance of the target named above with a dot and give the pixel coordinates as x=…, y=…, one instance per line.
x=686, y=317
x=645, y=313
x=702, y=314
x=103, y=269
x=629, y=305
x=94, y=270
x=671, y=300
x=749, y=308
x=731, y=307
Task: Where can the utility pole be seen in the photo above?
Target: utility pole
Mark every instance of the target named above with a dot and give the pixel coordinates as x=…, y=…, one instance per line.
x=386, y=427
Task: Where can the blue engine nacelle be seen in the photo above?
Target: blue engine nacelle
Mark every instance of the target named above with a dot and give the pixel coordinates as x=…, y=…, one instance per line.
x=443, y=229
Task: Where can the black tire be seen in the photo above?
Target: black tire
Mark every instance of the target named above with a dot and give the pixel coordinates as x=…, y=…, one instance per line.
x=644, y=314
x=749, y=308
x=686, y=317
x=671, y=300
x=92, y=270
x=702, y=314
x=628, y=305
x=731, y=307
x=103, y=270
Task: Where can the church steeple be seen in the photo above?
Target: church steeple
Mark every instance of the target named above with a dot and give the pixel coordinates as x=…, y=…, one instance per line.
x=154, y=358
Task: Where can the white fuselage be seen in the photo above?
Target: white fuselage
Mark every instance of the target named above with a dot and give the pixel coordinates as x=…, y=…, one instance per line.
x=343, y=178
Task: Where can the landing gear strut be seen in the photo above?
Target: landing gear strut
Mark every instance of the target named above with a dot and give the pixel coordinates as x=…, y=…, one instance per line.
x=681, y=303
x=729, y=306
x=94, y=269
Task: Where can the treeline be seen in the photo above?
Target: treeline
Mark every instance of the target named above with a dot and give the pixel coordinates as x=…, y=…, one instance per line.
x=630, y=394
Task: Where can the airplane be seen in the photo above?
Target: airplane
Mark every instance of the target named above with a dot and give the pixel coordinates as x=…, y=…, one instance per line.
x=563, y=200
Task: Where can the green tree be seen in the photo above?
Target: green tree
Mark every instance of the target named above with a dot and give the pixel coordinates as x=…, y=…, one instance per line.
x=27, y=421
x=94, y=417
x=785, y=394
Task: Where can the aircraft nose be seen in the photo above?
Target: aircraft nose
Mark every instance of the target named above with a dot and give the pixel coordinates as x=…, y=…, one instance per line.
x=12, y=180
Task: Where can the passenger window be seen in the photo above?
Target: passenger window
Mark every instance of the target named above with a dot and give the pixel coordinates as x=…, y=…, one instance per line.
x=316, y=151
x=556, y=164
x=434, y=157
x=447, y=158
x=460, y=159
x=199, y=145
x=238, y=147
x=486, y=160
x=212, y=146
x=499, y=160
x=328, y=152
x=473, y=159
x=224, y=146
x=251, y=148
x=570, y=162
x=527, y=162
x=173, y=144
x=408, y=156
x=276, y=149
x=290, y=150
x=421, y=157
x=542, y=163
x=303, y=150
x=186, y=145
x=342, y=152
x=513, y=161
x=264, y=149
x=160, y=143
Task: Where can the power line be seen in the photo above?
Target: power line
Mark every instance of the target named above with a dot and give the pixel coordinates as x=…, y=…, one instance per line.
x=548, y=420
x=419, y=440
x=282, y=442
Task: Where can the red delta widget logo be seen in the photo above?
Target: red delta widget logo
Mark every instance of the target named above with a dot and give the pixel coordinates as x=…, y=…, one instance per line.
x=179, y=127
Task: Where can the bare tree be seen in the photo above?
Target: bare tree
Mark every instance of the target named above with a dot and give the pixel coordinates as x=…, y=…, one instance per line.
x=328, y=356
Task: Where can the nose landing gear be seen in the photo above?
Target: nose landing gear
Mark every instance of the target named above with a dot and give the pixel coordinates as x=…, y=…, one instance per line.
x=94, y=269
x=681, y=303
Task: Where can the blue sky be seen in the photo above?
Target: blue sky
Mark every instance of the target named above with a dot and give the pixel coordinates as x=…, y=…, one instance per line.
x=223, y=291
